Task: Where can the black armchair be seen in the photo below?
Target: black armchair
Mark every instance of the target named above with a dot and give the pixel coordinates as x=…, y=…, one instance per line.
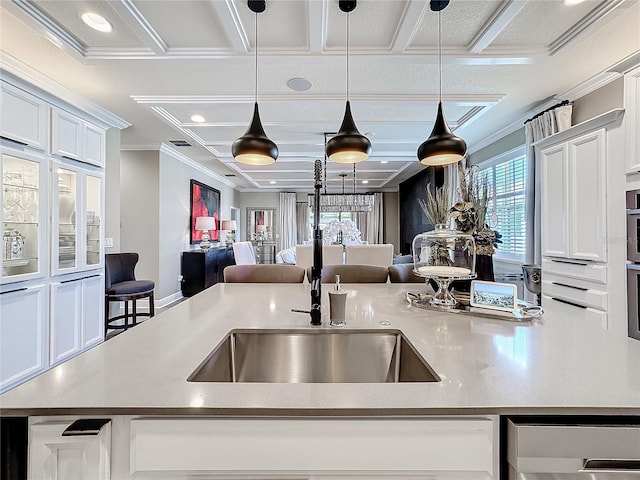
x=121, y=286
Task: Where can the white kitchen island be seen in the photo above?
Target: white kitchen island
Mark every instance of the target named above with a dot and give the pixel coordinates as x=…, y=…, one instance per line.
x=164, y=425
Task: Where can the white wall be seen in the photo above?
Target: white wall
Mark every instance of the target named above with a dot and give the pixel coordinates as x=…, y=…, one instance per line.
x=176, y=172
x=112, y=193
x=139, y=211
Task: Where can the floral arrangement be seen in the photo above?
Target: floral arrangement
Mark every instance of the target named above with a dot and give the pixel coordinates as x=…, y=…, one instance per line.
x=470, y=210
x=436, y=207
x=347, y=229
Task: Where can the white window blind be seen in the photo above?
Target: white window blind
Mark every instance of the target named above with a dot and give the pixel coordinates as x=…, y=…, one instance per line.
x=507, y=185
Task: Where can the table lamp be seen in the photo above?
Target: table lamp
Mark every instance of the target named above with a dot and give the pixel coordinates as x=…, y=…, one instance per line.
x=230, y=226
x=205, y=224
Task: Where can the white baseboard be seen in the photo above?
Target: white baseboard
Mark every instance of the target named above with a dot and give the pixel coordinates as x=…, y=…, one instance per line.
x=168, y=300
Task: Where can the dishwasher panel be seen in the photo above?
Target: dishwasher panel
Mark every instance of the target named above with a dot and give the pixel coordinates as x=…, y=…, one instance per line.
x=541, y=450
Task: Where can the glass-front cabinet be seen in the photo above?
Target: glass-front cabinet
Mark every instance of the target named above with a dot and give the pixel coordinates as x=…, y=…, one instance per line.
x=77, y=223
x=24, y=215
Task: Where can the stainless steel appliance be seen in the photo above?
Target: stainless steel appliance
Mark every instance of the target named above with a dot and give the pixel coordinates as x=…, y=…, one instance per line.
x=633, y=226
x=633, y=299
x=633, y=268
x=573, y=448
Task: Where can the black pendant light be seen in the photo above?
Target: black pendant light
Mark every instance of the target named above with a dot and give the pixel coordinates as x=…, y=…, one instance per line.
x=348, y=145
x=254, y=147
x=442, y=147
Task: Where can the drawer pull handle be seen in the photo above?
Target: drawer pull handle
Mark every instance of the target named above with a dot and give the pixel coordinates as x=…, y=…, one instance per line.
x=14, y=291
x=569, y=262
x=85, y=426
x=78, y=279
x=591, y=465
x=13, y=141
x=570, y=286
x=568, y=303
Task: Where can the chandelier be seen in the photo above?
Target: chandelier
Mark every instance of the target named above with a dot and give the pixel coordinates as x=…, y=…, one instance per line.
x=344, y=202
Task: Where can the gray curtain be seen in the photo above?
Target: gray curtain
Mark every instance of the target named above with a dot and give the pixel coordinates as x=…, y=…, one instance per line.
x=553, y=120
x=302, y=222
x=371, y=224
x=287, y=221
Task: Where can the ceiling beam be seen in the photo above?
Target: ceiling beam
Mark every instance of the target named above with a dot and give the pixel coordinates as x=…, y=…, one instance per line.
x=496, y=24
x=408, y=25
x=140, y=25
x=317, y=25
x=232, y=25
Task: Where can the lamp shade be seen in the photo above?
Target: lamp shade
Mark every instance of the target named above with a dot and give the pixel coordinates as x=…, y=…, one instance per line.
x=348, y=145
x=228, y=225
x=442, y=147
x=205, y=223
x=261, y=228
x=254, y=147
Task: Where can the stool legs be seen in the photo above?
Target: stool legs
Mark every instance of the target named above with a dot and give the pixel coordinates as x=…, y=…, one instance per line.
x=151, y=306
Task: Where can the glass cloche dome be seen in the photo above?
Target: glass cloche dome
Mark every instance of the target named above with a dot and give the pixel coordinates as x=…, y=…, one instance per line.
x=444, y=255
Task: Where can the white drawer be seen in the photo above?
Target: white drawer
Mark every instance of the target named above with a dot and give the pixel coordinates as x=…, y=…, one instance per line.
x=584, y=271
x=287, y=446
x=555, y=309
x=587, y=297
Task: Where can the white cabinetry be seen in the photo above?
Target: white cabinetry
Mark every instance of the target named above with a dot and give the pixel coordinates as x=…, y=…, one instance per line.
x=579, y=250
x=77, y=214
x=23, y=117
x=75, y=139
x=77, y=316
x=632, y=120
x=574, y=200
x=24, y=199
x=79, y=457
x=23, y=333
x=268, y=448
x=52, y=163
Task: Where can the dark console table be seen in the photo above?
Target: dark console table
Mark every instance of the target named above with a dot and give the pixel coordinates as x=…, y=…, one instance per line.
x=201, y=270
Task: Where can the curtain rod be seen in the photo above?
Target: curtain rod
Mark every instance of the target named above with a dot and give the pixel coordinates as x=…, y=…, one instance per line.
x=561, y=104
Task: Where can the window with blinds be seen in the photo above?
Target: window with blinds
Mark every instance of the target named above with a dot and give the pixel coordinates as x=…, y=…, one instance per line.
x=507, y=185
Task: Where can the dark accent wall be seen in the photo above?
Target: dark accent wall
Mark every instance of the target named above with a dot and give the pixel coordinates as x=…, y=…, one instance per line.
x=412, y=219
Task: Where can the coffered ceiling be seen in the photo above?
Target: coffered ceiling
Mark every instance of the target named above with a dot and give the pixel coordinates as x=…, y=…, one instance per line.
x=167, y=60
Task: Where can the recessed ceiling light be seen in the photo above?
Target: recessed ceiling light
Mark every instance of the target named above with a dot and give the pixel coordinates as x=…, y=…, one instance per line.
x=197, y=118
x=272, y=182
x=384, y=161
x=365, y=181
x=299, y=84
x=572, y=2
x=95, y=21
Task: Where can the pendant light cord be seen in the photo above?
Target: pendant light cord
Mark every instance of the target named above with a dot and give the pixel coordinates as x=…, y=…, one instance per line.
x=440, y=53
x=256, y=83
x=348, y=14
x=354, y=178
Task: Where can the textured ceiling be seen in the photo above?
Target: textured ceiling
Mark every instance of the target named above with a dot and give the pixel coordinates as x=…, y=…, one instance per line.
x=167, y=60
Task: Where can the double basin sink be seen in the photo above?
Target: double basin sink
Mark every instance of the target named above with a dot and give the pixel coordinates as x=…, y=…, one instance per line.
x=314, y=356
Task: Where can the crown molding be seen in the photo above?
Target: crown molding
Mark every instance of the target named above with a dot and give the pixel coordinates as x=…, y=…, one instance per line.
x=594, y=16
x=594, y=83
x=23, y=72
x=166, y=149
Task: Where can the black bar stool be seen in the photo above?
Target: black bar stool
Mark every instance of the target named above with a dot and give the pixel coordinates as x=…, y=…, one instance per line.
x=121, y=286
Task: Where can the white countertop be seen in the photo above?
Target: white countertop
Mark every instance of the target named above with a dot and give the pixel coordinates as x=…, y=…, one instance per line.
x=552, y=365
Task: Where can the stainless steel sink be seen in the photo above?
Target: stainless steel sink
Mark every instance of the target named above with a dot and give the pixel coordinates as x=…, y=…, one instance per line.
x=314, y=356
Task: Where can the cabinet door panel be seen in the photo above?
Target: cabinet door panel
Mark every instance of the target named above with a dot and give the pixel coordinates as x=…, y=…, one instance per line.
x=67, y=138
x=23, y=117
x=81, y=457
x=92, y=310
x=632, y=119
x=587, y=199
x=554, y=201
x=94, y=140
x=66, y=315
x=23, y=333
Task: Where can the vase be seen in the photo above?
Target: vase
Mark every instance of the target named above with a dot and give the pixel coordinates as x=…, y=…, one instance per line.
x=484, y=268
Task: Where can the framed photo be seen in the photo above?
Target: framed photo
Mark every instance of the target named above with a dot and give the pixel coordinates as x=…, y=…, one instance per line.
x=494, y=295
x=205, y=202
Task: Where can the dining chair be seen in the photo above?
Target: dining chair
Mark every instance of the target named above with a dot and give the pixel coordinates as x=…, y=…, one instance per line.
x=244, y=253
x=121, y=286
x=375, y=254
x=353, y=273
x=271, y=273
